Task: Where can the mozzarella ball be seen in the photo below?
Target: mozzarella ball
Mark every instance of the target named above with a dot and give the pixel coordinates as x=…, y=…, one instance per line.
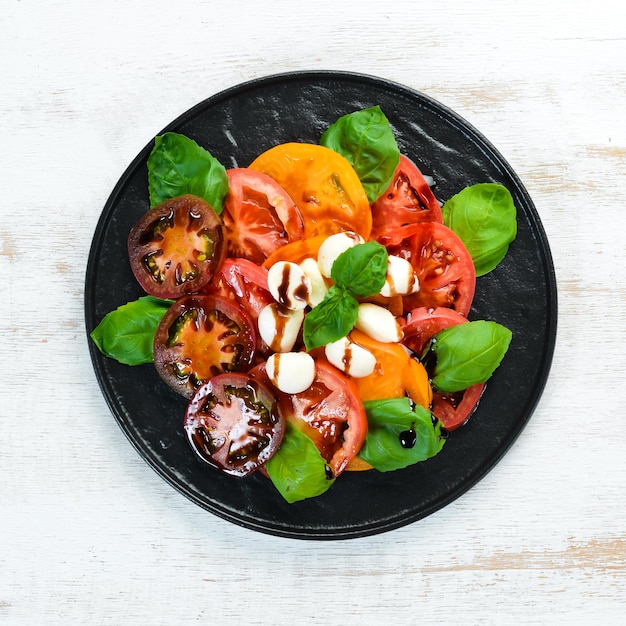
x=318, y=284
x=332, y=247
x=289, y=285
x=279, y=327
x=350, y=358
x=291, y=372
x=401, y=279
x=378, y=322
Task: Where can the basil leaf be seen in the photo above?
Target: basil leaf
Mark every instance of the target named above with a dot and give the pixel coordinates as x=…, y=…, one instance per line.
x=333, y=318
x=177, y=165
x=468, y=354
x=366, y=140
x=485, y=219
x=391, y=422
x=362, y=269
x=297, y=469
x=127, y=334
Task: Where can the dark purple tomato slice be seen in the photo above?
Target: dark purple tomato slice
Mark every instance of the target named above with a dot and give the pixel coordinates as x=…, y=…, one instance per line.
x=200, y=337
x=233, y=423
x=176, y=248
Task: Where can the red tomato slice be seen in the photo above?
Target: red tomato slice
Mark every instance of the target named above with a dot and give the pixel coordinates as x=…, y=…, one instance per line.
x=408, y=200
x=233, y=423
x=244, y=282
x=259, y=215
x=443, y=265
x=176, y=248
x=200, y=337
x=453, y=410
x=329, y=412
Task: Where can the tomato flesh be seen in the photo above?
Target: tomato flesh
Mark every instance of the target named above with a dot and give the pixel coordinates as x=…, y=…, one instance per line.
x=452, y=409
x=243, y=282
x=396, y=375
x=323, y=185
x=259, y=215
x=176, y=248
x=407, y=200
x=200, y=337
x=234, y=424
x=330, y=413
x=444, y=267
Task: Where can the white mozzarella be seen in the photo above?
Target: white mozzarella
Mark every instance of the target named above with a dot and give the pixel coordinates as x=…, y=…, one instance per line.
x=289, y=285
x=378, y=322
x=332, y=247
x=350, y=358
x=318, y=284
x=291, y=372
x=279, y=327
x=401, y=278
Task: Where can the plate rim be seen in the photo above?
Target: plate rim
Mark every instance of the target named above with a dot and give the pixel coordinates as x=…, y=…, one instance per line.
x=551, y=308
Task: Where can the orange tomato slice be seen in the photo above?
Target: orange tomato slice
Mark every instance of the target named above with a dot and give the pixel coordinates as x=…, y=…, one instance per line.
x=296, y=251
x=323, y=185
x=396, y=374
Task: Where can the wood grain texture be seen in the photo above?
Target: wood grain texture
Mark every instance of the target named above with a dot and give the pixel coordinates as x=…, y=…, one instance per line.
x=89, y=534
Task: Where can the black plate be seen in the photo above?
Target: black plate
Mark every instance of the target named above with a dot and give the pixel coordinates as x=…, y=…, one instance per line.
x=237, y=125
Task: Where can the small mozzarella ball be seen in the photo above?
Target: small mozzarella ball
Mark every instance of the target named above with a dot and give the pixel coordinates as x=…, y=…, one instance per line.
x=401, y=278
x=289, y=285
x=350, y=358
x=291, y=372
x=332, y=247
x=279, y=327
x=318, y=284
x=378, y=323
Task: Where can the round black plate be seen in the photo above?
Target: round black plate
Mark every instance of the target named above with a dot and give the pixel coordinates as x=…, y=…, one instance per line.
x=237, y=125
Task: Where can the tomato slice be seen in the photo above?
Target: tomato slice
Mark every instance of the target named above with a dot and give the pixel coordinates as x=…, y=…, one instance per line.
x=244, y=282
x=453, y=410
x=397, y=374
x=442, y=263
x=259, y=215
x=176, y=248
x=234, y=424
x=408, y=200
x=297, y=251
x=323, y=185
x=200, y=337
x=329, y=412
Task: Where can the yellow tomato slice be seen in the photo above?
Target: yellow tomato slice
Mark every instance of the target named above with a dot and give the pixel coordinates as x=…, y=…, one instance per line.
x=396, y=374
x=323, y=185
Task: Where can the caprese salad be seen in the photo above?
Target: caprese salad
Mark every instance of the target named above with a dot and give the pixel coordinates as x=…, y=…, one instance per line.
x=312, y=307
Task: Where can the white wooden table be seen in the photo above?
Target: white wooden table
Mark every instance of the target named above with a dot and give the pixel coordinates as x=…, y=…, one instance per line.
x=89, y=534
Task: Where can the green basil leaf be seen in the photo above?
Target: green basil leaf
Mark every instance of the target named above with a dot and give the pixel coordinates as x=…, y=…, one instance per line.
x=391, y=422
x=333, y=318
x=127, y=334
x=485, y=219
x=468, y=354
x=362, y=269
x=366, y=140
x=297, y=469
x=177, y=165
